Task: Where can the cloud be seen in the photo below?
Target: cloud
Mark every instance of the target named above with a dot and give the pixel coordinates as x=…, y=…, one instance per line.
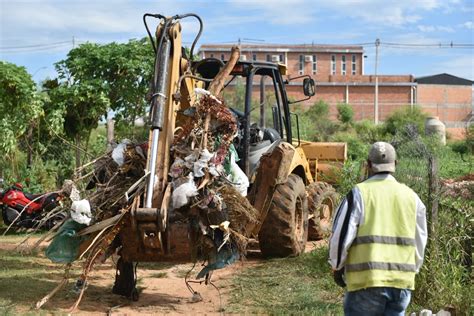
x=460, y=65
x=388, y=13
x=51, y=20
x=435, y=28
x=468, y=25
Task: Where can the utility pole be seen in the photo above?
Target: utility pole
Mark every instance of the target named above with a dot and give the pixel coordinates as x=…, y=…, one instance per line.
x=73, y=42
x=376, y=101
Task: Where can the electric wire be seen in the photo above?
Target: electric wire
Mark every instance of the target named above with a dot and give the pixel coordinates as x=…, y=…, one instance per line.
x=35, y=45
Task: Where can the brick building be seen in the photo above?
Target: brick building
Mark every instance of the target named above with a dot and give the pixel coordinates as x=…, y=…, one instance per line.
x=339, y=74
x=448, y=97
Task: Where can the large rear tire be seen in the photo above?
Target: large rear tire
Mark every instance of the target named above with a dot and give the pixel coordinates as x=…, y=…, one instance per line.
x=322, y=199
x=284, y=231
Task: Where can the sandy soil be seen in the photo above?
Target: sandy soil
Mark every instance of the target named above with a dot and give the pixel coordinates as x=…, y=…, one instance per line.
x=161, y=285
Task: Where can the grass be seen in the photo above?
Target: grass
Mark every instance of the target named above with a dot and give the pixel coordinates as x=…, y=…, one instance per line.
x=24, y=280
x=301, y=285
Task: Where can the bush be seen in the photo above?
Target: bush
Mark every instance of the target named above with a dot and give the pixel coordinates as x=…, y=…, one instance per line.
x=356, y=148
x=345, y=113
x=370, y=133
x=445, y=277
x=403, y=117
x=314, y=122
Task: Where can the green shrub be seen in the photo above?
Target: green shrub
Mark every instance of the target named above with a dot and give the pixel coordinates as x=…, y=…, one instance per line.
x=319, y=110
x=406, y=116
x=356, y=148
x=351, y=173
x=445, y=278
x=315, y=124
x=345, y=113
x=370, y=133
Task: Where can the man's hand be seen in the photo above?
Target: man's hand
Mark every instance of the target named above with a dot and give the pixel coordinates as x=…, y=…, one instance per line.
x=338, y=276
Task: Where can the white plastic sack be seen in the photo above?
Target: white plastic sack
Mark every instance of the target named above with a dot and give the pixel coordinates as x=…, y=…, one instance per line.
x=202, y=163
x=81, y=212
x=118, y=152
x=238, y=177
x=182, y=193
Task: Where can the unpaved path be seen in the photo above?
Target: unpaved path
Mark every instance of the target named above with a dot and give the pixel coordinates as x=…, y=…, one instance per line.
x=162, y=288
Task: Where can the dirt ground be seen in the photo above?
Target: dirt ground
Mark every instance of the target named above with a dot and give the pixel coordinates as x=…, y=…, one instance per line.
x=162, y=289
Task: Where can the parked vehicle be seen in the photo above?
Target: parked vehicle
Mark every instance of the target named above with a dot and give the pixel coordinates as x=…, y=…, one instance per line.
x=29, y=210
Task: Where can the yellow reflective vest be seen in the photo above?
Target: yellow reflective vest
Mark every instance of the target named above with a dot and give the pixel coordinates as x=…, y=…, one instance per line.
x=383, y=251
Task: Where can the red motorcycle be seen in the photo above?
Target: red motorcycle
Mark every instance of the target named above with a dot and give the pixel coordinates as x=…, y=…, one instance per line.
x=29, y=210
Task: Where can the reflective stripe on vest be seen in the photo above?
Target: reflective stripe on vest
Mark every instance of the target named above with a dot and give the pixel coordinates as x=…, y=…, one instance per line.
x=383, y=252
x=384, y=240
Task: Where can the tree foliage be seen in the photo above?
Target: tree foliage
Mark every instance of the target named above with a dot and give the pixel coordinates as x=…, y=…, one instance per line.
x=19, y=104
x=120, y=71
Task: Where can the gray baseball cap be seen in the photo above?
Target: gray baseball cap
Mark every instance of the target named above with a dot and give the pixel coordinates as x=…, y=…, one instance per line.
x=382, y=155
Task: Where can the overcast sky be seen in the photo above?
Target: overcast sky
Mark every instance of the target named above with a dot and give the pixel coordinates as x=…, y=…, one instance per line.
x=36, y=34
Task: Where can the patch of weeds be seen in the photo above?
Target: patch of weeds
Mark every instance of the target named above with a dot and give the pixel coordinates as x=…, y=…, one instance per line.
x=159, y=275
x=301, y=285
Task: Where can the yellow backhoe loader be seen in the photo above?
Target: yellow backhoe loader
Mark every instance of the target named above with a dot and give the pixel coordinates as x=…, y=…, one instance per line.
x=283, y=171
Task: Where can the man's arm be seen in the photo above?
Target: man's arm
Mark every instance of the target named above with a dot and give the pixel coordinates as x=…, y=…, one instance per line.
x=348, y=217
x=421, y=233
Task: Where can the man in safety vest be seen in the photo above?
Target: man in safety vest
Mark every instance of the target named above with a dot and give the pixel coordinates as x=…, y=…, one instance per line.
x=378, y=240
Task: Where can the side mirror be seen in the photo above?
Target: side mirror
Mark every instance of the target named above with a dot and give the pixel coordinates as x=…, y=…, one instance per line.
x=309, y=88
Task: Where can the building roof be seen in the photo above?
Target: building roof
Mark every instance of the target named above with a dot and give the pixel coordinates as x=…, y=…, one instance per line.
x=307, y=48
x=444, y=78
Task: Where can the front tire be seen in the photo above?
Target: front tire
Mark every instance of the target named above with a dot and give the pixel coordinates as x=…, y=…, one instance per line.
x=284, y=231
x=322, y=199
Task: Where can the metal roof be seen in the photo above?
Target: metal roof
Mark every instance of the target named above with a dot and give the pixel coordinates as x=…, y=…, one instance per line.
x=445, y=79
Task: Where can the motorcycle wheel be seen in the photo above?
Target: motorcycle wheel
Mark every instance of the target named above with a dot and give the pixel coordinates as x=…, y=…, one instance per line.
x=50, y=223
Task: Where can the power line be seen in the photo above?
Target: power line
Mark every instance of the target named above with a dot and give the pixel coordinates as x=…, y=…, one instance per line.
x=35, y=45
x=35, y=49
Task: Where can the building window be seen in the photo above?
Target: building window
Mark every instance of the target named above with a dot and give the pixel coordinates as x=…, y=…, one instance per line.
x=211, y=55
x=315, y=65
x=343, y=65
x=353, y=64
x=333, y=64
x=301, y=70
x=269, y=58
x=222, y=57
x=254, y=57
x=282, y=59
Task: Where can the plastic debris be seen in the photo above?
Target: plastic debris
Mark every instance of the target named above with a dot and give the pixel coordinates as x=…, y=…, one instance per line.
x=81, y=212
x=202, y=163
x=237, y=176
x=119, y=152
x=182, y=193
x=65, y=246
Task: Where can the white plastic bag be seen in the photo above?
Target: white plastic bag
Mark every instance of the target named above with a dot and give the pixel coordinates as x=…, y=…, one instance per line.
x=238, y=177
x=182, y=193
x=202, y=163
x=81, y=212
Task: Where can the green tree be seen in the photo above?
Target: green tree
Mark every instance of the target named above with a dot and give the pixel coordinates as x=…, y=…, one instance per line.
x=19, y=104
x=121, y=71
x=78, y=107
x=95, y=79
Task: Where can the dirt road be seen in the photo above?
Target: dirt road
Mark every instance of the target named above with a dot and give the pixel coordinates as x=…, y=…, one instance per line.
x=162, y=287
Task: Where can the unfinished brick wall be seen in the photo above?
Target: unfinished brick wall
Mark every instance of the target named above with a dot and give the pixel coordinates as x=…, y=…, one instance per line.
x=451, y=103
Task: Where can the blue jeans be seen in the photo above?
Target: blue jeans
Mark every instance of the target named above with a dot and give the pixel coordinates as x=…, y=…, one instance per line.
x=377, y=301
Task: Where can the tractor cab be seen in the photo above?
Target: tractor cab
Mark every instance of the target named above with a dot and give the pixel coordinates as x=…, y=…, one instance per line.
x=255, y=93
